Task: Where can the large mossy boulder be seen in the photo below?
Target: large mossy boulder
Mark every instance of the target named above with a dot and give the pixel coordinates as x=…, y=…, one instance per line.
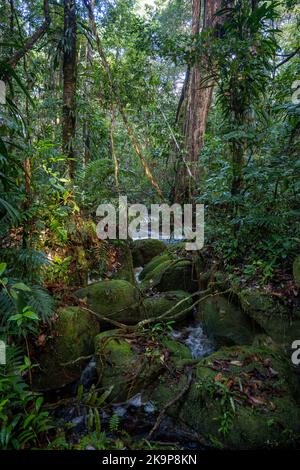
x=273, y=317
x=115, y=299
x=130, y=365
x=144, y=250
x=225, y=321
x=240, y=398
x=257, y=408
x=172, y=275
x=296, y=270
x=159, y=304
x=72, y=338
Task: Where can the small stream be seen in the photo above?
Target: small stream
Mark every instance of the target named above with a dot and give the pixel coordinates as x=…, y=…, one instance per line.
x=136, y=416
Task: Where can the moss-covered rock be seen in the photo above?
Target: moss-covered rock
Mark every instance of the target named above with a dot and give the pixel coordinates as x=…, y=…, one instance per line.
x=172, y=275
x=73, y=338
x=296, y=270
x=115, y=299
x=125, y=271
x=154, y=263
x=159, y=304
x=131, y=366
x=256, y=409
x=264, y=341
x=144, y=250
x=240, y=398
x=225, y=321
x=271, y=315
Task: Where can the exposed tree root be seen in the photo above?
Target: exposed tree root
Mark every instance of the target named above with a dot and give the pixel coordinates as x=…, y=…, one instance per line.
x=171, y=403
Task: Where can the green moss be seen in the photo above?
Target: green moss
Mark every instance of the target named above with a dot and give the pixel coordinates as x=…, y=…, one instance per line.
x=250, y=426
x=154, y=263
x=115, y=299
x=73, y=337
x=144, y=250
x=271, y=315
x=176, y=349
x=125, y=272
x=225, y=322
x=115, y=360
x=130, y=370
x=172, y=275
x=157, y=305
x=153, y=276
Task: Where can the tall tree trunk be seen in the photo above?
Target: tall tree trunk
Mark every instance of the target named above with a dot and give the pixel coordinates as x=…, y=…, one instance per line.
x=69, y=85
x=87, y=91
x=198, y=100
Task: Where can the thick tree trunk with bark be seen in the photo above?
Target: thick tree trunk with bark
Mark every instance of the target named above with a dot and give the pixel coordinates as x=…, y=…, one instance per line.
x=198, y=97
x=69, y=84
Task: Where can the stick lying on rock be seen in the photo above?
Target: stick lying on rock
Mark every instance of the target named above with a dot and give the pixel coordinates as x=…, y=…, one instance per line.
x=164, y=316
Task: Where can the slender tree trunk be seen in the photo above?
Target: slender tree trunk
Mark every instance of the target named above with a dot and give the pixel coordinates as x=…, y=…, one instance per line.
x=69, y=85
x=88, y=85
x=30, y=42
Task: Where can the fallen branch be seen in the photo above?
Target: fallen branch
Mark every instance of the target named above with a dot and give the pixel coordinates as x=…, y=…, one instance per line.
x=106, y=319
x=163, y=316
x=78, y=359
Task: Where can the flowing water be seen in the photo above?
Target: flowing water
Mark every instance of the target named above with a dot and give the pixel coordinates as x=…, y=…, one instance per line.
x=136, y=415
x=195, y=339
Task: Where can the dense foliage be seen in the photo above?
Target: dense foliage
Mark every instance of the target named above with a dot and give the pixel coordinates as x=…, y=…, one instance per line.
x=249, y=167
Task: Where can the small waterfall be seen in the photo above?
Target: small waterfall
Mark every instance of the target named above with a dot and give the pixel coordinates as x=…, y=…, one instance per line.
x=137, y=272
x=195, y=339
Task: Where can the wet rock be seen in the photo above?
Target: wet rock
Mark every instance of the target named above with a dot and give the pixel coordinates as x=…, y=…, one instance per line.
x=144, y=250
x=240, y=398
x=259, y=408
x=225, y=321
x=129, y=365
x=73, y=337
x=156, y=261
x=115, y=299
x=273, y=317
x=172, y=275
x=161, y=303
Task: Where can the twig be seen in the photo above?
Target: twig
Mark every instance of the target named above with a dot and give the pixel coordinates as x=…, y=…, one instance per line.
x=108, y=320
x=171, y=403
x=81, y=358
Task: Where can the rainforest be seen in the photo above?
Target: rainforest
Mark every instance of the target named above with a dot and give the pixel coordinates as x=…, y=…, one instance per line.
x=155, y=338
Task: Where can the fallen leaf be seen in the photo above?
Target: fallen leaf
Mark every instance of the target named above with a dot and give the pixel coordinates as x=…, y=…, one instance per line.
x=218, y=377
x=257, y=400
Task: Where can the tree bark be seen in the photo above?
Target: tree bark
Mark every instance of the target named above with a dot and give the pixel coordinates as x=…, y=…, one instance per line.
x=69, y=85
x=198, y=100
